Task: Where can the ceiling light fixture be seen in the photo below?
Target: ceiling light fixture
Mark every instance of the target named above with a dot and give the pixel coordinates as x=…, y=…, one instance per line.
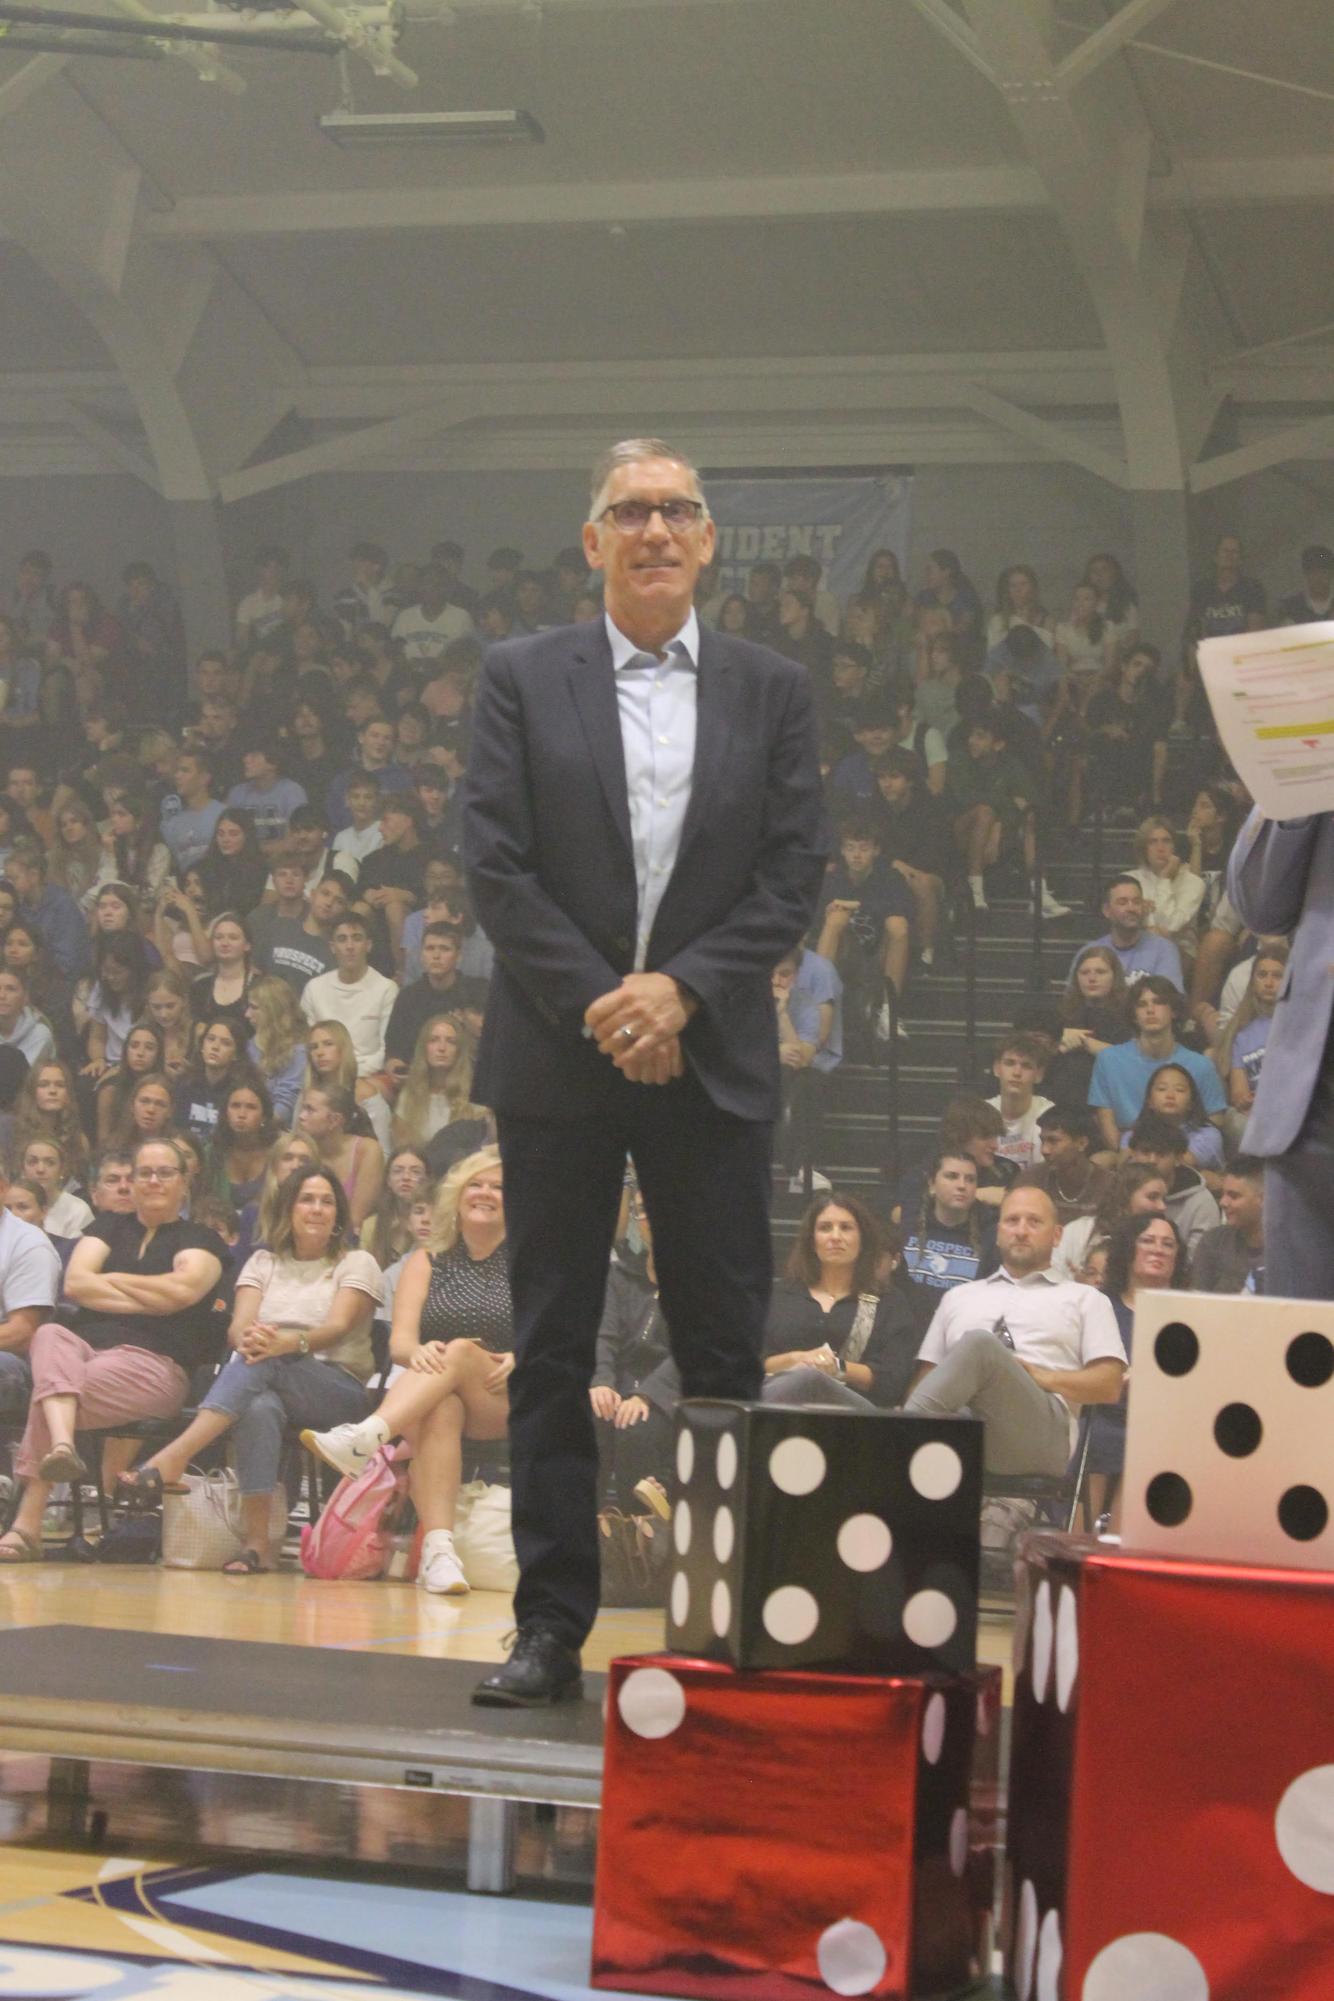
x=401, y=128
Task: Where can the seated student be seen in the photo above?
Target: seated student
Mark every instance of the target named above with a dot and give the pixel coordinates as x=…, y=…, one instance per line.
x=387, y=1232
x=1139, y=950
x=327, y=1116
x=331, y=1059
x=862, y=921
x=1172, y=1092
x=144, y=1055
x=1023, y=1350
x=361, y=836
x=167, y=1006
x=301, y=1340
x=1121, y=1076
x=29, y=1289
x=67, y=1214
x=354, y=994
x=1240, y=1050
x=1162, y=1143
x=913, y=827
x=437, y=1091
x=1231, y=1257
x=952, y=1237
x=1076, y=1184
x=1017, y=1067
x=277, y=1046
x=845, y=703
x=267, y=796
x=147, y=1114
x=28, y=1201
x=284, y=940
x=235, y=866
x=1093, y=1018
x=47, y=1108
x=199, y=1095
x=1173, y=893
x=851, y=784
x=453, y=1338
x=1145, y=1255
x=636, y=1385
x=441, y=989
x=243, y=1138
x=391, y=880
x=144, y=1286
x=21, y=1027
x=1135, y=1188
x=990, y=794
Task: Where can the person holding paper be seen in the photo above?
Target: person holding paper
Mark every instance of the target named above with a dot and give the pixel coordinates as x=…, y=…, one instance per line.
x=1281, y=879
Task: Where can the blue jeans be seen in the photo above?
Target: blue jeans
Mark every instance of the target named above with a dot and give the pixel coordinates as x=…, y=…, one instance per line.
x=269, y=1399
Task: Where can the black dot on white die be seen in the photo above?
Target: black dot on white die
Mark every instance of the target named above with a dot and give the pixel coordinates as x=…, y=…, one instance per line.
x=1177, y=1348
x=1168, y=1499
x=1303, y=1513
x=1310, y=1360
x=1238, y=1430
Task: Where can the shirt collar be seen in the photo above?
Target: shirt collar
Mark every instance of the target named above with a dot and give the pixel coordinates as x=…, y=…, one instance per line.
x=1031, y=1278
x=624, y=652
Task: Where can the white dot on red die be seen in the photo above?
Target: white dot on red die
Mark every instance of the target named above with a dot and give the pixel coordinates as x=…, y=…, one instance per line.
x=929, y=1618
x=1049, y=1959
x=1042, y=1641
x=1025, y=1941
x=850, y=1957
x=959, y=1841
x=1067, y=1647
x=685, y=1457
x=680, y=1598
x=681, y=1528
x=651, y=1702
x=720, y=1608
x=864, y=1542
x=934, y=1471
x=790, y=1615
x=724, y=1535
x=1304, y=1827
x=933, y=1729
x=1148, y=1965
x=727, y=1460
x=797, y=1466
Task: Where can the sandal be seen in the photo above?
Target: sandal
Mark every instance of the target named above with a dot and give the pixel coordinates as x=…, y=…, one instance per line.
x=62, y=1462
x=248, y=1564
x=140, y=1491
x=29, y=1550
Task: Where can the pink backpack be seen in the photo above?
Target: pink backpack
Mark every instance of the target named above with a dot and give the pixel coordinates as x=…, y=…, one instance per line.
x=354, y=1536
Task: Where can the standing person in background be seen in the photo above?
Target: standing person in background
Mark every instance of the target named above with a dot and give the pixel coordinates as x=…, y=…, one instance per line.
x=644, y=832
x=1280, y=878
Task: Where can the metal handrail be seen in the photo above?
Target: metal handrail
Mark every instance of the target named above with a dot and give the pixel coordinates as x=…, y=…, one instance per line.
x=1035, y=978
x=962, y=900
x=890, y=1167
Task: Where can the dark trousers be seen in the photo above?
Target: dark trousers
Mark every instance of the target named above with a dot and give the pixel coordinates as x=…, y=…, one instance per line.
x=1299, y=1222
x=705, y=1177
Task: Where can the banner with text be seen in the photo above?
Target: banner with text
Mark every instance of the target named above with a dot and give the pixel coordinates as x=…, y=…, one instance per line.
x=842, y=522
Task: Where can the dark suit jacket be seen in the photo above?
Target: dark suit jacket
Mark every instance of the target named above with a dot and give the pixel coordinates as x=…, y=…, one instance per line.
x=546, y=837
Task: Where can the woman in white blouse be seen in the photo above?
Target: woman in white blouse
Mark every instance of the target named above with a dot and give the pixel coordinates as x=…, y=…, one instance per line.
x=1172, y=890
x=301, y=1330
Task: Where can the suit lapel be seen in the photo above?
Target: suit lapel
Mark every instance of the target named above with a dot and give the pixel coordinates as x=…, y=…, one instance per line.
x=592, y=680
x=713, y=735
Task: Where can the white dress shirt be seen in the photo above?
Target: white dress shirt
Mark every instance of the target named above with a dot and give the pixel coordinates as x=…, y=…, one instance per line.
x=656, y=699
x=1056, y=1322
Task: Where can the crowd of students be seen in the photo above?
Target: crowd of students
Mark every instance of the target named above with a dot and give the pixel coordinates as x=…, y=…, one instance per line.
x=238, y=964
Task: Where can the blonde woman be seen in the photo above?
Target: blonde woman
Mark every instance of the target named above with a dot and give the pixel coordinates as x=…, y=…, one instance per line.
x=438, y=1088
x=76, y=851
x=453, y=1335
x=47, y=1108
x=288, y=1152
x=167, y=1003
x=277, y=1045
x=1172, y=891
x=331, y=1059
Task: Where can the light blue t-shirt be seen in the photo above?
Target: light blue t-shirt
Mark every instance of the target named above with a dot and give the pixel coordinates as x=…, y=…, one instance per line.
x=272, y=806
x=188, y=830
x=1121, y=1078
x=1248, y=1048
x=818, y=983
x=1149, y=954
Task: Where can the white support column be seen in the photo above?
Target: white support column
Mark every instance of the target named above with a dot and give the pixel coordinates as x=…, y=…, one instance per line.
x=1160, y=562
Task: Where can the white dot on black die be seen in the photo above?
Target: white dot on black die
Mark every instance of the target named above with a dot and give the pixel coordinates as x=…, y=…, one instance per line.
x=959, y=1841
x=1026, y=1941
x=850, y=1957
x=797, y=1466
x=1049, y=1959
x=720, y=1608
x=864, y=1542
x=680, y=1598
x=1042, y=1641
x=727, y=1460
x=1304, y=1828
x=929, y=1618
x=651, y=1702
x=681, y=1528
x=1148, y=1965
x=724, y=1535
x=935, y=1470
x=933, y=1729
x=685, y=1457
x=1067, y=1647
x=790, y=1615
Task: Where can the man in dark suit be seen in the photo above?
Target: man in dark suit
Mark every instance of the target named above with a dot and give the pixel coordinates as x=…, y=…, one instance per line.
x=644, y=837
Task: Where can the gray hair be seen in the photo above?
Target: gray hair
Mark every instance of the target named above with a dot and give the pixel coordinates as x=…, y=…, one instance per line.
x=627, y=453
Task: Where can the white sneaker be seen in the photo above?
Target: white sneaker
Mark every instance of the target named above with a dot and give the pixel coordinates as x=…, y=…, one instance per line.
x=348, y=1448
x=819, y=1183
x=1050, y=907
x=440, y=1570
x=882, y=1025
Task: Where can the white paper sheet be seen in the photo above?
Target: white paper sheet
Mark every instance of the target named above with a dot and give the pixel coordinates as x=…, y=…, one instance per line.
x=1272, y=694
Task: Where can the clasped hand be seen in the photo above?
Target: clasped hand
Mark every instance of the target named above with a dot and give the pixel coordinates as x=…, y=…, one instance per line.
x=261, y=1342
x=653, y=1008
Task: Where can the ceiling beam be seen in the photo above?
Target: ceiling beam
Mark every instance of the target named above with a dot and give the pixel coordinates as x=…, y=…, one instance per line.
x=955, y=29
x=1204, y=183
x=1104, y=42
x=111, y=447
x=1058, y=439
x=1302, y=441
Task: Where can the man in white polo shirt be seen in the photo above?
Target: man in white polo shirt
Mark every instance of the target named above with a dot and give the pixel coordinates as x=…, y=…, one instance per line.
x=1021, y=1349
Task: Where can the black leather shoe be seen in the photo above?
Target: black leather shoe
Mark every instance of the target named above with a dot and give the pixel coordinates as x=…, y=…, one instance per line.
x=541, y=1670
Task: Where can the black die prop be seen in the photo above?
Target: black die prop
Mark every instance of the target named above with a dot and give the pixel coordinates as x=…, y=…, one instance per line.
x=809, y=1538
x=1228, y=1453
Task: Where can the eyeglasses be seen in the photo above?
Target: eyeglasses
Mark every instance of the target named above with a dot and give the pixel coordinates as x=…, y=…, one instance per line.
x=630, y=516
x=156, y=1173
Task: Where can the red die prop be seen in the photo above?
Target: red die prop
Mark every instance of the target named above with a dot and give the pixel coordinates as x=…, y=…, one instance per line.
x=784, y=1834
x=1171, y=1802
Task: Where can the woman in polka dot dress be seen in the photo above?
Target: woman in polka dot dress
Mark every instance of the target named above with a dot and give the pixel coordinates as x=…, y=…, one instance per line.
x=453, y=1336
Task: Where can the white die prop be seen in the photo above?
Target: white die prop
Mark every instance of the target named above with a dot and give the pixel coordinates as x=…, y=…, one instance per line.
x=1230, y=1430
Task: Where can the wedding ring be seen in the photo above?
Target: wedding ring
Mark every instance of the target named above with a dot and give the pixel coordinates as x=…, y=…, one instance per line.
x=629, y=1033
